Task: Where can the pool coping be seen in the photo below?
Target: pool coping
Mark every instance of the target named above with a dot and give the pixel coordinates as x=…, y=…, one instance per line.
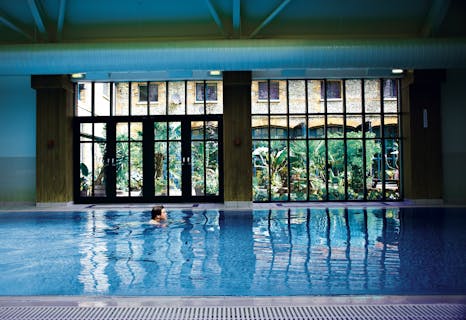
x=229, y=301
x=68, y=207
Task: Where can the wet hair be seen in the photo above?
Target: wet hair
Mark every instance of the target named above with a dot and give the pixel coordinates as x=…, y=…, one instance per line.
x=156, y=212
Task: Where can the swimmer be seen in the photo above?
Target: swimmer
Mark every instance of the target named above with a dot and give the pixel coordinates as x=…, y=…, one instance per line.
x=158, y=215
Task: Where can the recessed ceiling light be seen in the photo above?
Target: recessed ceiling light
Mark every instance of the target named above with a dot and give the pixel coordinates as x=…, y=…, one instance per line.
x=215, y=72
x=397, y=71
x=78, y=75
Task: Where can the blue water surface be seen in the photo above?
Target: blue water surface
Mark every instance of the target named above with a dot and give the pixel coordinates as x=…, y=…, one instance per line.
x=262, y=252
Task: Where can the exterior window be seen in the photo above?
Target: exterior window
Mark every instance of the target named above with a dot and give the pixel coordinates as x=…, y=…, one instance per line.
x=210, y=92
x=390, y=89
x=333, y=89
x=326, y=144
x=264, y=90
x=153, y=93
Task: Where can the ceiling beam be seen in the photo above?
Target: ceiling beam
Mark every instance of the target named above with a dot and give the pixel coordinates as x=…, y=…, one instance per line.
x=270, y=17
x=61, y=19
x=37, y=13
x=237, y=17
x=215, y=15
x=436, y=15
x=13, y=25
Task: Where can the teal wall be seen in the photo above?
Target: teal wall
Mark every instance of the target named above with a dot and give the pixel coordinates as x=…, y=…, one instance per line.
x=17, y=139
x=453, y=136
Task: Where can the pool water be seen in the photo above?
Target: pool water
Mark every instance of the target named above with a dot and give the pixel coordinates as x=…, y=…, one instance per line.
x=295, y=251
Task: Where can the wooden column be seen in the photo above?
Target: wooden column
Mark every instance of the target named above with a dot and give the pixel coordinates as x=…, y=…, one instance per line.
x=54, y=138
x=422, y=156
x=237, y=136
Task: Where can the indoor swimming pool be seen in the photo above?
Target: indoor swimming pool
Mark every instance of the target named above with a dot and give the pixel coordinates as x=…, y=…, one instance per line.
x=279, y=252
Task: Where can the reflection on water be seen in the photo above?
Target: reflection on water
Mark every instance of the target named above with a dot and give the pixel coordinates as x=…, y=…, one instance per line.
x=270, y=252
x=273, y=252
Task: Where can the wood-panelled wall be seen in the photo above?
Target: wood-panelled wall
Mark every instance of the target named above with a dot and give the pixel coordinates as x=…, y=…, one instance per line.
x=237, y=136
x=54, y=138
x=422, y=156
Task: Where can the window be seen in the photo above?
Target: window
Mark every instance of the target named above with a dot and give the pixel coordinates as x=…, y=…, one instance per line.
x=210, y=92
x=264, y=90
x=390, y=89
x=333, y=89
x=153, y=93
x=332, y=150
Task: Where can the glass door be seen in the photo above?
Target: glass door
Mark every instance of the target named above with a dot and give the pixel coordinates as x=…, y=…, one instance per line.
x=157, y=159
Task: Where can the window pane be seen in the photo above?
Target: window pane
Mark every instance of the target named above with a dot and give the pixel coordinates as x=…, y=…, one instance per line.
x=139, y=93
x=175, y=165
x=355, y=169
x=102, y=99
x=212, y=130
x=214, y=104
x=353, y=96
x=136, y=131
x=99, y=172
x=122, y=169
x=195, y=97
x=317, y=165
x=278, y=127
x=298, y=174
x=278, y=101
x=316, y=104
x=85, y=132
x=197, y=130
x=392, y=169
x=174, y=131
x=374, y=165
x=85, y=172
x=122, y=131
x=279, y=170
x=260, y=127
x=121, y=94
x=390, y=95
x=263, y=90
x=200, y=92
x=83, y=99
x=260, y=171
x=136, y=169
x=212, y=177
x=336, y=170
x=334, y=126
x=176, y=97
x=297, y=95
x=197, y=168
x=160, y=168
x=391, y=127
x=334, y=95
x=297, y=129
x=372, y=96
x=354, y=126
x=160, y=130
x=316, y=126
x=258, y=105
x=158, y=98
x=372, y=127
